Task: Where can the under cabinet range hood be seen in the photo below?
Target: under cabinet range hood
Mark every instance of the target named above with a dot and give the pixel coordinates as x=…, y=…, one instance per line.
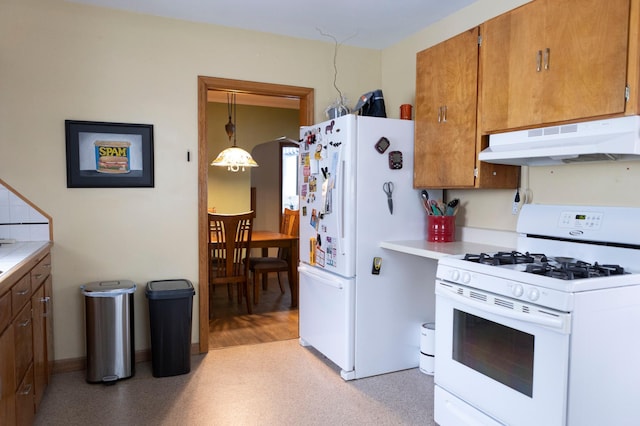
x=601, y=140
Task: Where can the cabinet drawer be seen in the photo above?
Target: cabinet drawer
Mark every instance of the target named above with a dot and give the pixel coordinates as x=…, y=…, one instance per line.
x=23, y=330
x=20, y=293
x=25, y=408
x=5, y=310
x=40, y=272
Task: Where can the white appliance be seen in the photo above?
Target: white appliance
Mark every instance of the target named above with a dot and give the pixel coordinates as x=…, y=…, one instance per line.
x=546, y=334
x=360, y=305
x=599, y=140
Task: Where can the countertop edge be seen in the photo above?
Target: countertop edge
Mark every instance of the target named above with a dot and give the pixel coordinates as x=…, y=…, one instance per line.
x=471, y=242
x=30, y=255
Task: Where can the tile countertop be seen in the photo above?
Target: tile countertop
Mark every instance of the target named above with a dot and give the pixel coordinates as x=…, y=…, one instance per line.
x=14, y=255
x=468, y=240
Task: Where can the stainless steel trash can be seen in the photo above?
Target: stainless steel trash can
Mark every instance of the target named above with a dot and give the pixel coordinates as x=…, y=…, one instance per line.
x=109, y=328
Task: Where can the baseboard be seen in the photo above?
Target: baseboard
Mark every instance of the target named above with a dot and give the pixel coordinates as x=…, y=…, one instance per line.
x=77, y=364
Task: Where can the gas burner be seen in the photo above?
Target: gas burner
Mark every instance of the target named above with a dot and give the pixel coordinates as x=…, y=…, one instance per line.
x=570, y=270
x=505, y=258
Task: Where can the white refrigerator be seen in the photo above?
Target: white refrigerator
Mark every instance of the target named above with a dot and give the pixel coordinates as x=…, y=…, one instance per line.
x=360, y=305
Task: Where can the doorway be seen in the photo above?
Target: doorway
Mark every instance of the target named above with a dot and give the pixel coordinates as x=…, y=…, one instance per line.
x=305, y=96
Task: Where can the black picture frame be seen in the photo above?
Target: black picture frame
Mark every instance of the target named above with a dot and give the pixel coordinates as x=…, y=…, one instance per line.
x=109, y=155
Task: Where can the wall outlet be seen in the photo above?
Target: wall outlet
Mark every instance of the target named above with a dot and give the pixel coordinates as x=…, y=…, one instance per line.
x=514, y=208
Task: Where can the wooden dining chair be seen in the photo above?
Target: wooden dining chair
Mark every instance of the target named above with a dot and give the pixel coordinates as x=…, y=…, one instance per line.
x=263, y=265
x=229, y=245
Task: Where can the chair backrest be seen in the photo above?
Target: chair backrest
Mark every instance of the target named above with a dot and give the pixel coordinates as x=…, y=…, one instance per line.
x=290, y=223
x=229, y=244
x=290, y=226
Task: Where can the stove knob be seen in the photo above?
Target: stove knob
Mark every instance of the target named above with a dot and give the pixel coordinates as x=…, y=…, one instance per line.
x=466, y=277
x=517, y=290
x=455, y=275
x=534, y=294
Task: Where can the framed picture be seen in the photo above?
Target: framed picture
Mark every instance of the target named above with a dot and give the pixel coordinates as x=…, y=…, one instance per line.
x=109, y=155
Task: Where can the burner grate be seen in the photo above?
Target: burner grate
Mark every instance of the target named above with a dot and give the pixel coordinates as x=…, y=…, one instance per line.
x=505, y=258
x=574, y=270
x=565, y=268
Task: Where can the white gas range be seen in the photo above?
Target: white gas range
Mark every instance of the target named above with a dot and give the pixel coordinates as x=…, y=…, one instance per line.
x=546, y=334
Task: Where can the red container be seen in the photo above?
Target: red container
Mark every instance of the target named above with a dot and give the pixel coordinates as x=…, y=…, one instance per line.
x=441, y=229
x=405, y=112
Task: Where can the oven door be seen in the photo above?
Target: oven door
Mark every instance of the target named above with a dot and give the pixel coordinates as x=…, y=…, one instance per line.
x=497, y=355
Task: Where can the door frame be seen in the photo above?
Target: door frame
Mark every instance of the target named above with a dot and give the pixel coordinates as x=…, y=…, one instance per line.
x=306, y=98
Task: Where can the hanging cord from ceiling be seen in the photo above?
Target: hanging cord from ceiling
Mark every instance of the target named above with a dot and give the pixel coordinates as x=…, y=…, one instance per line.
x=341, y=101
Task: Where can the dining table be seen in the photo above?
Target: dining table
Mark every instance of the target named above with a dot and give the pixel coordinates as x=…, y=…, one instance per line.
x=265, y=240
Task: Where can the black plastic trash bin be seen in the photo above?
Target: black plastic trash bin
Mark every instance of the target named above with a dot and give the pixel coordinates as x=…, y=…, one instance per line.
x=170, y=309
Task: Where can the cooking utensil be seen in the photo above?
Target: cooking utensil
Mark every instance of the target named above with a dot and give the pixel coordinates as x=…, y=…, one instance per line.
x=452, y=207
x=387, y=187
x=424, y=196
x=435, y=208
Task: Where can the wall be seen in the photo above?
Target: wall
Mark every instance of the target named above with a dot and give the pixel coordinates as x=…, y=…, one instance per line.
x=67, y=61
x=580, y=184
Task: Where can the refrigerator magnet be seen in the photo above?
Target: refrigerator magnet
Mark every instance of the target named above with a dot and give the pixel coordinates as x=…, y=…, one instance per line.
x=382, y=145
x=395, y=160
x=319, y=256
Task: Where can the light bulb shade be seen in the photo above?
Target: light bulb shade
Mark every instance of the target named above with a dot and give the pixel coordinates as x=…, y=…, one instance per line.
x=234, y=158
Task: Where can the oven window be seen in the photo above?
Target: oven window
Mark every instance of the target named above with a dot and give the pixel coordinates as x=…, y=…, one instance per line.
x=499, y=352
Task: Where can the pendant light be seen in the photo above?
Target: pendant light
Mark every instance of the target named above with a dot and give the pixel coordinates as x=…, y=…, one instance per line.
x=233, y=158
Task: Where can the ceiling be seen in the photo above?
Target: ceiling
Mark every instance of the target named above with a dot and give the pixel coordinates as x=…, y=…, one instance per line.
x=375, y=24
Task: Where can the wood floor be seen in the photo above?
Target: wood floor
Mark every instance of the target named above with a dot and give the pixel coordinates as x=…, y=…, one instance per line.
x=272, y=319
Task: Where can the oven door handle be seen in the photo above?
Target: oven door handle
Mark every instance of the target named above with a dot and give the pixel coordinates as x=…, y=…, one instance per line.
x=557, y=323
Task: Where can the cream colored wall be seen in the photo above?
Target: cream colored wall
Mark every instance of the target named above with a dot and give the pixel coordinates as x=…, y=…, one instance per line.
x=68, y=61
x=596, y=183
x=266, y=180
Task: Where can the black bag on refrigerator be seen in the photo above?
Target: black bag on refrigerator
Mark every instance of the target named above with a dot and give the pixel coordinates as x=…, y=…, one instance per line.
x=371, y=104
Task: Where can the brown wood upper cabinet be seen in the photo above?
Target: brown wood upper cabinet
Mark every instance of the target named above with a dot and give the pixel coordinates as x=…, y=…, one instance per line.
x=551, y=61
x=445, y=120
x=446, y=138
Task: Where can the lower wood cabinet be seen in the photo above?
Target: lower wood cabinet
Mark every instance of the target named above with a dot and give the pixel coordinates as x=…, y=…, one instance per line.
x=42, y=338
x=25, y=394
x=26, y=339
x=7, y=378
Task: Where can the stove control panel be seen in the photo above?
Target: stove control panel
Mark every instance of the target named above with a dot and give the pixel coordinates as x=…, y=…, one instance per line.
x=507, y=287
x=580, y=220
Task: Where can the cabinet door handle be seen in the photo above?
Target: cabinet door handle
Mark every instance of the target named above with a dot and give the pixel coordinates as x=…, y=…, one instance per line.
x=444, y=114
x=439, y=114
x=22, y=292
x=26, y=390
x=24, y=323
x=547, y=55
x=539, y=61
x=46, y=300
x=37, y=276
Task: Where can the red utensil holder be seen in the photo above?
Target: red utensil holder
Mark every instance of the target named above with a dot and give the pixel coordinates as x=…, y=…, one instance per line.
x=441, y=229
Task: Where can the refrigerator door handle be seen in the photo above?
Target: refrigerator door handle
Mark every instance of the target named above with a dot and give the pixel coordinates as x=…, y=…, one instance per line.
x=342, y=192
x=330, y=281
